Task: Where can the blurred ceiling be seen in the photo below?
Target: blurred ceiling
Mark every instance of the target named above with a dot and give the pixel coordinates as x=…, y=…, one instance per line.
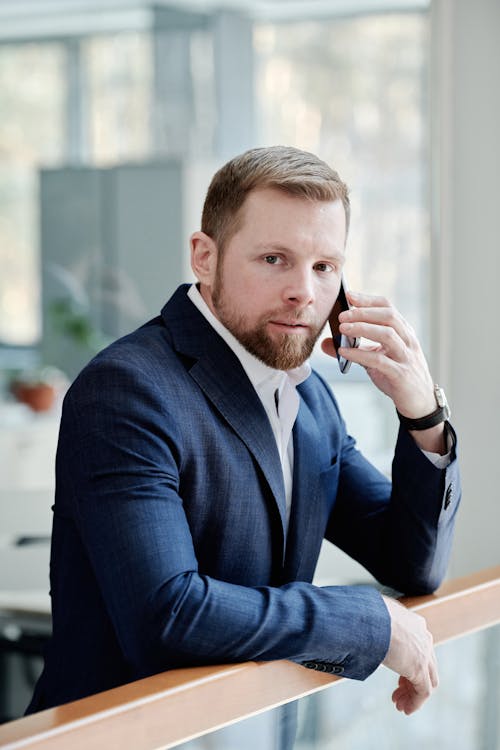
x=28, y=19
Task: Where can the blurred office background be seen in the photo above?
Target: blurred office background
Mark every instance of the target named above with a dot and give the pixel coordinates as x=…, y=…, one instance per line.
x=113, y=116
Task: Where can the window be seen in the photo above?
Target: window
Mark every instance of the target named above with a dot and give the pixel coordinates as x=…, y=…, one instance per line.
x=92, y=101
x=117, y=70
x=31, y=133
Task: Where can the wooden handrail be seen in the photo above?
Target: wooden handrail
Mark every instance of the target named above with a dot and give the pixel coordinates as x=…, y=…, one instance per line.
x=167, y=709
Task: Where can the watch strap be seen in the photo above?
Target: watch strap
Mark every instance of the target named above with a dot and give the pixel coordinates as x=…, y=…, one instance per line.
x=439, y=415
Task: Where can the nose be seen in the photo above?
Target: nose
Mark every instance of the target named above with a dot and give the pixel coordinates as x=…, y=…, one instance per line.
x=299, y=289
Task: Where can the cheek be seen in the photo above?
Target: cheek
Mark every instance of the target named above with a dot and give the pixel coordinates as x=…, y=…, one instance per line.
x=240, y=297
x=253, y=292
x=326, y=300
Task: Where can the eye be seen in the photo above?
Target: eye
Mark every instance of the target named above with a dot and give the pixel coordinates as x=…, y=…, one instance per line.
x=272, y=260
x=324, y=267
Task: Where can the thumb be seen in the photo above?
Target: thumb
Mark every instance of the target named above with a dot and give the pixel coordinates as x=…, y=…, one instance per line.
x=328, y=347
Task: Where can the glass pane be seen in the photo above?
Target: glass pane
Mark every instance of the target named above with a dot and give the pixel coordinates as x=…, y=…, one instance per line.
x=31, y=133
x=204, y=96
x=462, y=713
x=119, y=70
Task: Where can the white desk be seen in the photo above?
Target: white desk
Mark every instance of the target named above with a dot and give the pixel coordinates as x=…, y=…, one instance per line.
x=24, y=611
x=27, y=457
x=28, y=444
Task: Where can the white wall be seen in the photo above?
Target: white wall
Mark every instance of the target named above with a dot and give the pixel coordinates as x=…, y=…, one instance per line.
x=466, y=243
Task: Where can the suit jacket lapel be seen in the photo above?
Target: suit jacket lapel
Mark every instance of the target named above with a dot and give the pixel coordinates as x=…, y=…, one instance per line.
x=237, y=401
x=220, y=375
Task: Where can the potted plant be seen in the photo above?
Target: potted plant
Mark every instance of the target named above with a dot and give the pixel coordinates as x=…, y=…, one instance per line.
x=38, y=387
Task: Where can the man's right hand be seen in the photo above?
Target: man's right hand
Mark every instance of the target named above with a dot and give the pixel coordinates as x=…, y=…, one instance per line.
x=411, y=655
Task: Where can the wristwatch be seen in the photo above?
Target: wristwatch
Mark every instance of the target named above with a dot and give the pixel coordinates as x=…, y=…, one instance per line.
x=441, y=414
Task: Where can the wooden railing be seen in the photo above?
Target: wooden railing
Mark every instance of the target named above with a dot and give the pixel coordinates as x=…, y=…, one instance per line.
x=164, y=710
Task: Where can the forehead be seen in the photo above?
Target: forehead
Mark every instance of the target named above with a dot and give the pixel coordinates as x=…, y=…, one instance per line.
x=273, y=215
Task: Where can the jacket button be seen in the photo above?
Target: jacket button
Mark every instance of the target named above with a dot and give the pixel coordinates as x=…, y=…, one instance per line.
x=448, y=496
x=323, y=666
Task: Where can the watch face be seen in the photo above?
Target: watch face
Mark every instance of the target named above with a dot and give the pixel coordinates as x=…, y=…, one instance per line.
x=441, y=400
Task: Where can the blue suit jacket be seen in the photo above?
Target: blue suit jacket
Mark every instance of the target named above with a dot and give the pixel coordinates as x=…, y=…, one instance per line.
x=168, y=543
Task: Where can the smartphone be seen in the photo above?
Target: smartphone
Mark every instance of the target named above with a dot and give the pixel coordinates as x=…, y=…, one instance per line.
x=340, y=339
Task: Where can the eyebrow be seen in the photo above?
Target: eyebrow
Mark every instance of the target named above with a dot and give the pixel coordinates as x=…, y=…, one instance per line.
x=276, y=247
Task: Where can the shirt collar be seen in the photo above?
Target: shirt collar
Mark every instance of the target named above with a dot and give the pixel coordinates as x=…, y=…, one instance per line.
x=259, y=374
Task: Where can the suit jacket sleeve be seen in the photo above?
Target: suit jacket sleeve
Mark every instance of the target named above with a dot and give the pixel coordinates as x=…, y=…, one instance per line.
x=402, y=530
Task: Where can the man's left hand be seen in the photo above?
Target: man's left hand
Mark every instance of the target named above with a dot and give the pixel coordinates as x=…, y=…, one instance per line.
x=395, y=362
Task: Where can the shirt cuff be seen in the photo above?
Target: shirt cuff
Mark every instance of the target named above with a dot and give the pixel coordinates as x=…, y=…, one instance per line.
x=441, y=462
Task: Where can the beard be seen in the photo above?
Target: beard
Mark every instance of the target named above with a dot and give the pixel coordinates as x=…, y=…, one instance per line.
x=283, y=351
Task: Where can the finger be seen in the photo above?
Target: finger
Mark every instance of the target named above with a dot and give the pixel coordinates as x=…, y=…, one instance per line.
x=387, y=337
x=408, y=702
x=404, y=686
x=328, y=347
x=384, y=316
x=422, y=688
x=407, y=699
x=360, y=299
x=433, y=672
x=370, y=358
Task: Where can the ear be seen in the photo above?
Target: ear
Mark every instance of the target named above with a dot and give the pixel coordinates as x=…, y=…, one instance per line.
x=203, y=258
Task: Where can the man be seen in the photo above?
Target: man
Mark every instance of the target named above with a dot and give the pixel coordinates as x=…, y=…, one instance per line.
x=201, y=464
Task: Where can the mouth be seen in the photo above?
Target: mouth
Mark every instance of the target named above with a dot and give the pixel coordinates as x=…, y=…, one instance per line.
x=289, y=326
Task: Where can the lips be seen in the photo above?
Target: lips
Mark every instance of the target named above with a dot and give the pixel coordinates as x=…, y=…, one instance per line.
x=290, y=325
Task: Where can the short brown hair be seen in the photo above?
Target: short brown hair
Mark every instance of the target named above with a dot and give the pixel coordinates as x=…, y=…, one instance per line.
x=285, y=168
